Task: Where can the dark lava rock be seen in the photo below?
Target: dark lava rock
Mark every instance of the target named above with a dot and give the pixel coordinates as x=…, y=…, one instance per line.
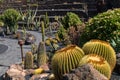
x=85, y=72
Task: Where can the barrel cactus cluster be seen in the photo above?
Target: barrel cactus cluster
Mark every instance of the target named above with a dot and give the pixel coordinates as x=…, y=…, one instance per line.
x=98, y=53
x=101, y=48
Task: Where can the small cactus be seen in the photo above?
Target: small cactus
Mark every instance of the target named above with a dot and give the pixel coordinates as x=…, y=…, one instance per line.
x=33, y=48
x=41, y=55
x=98, y=62
x=101, y=48
x=66, y=59
x=28, y=60
x=57, y=37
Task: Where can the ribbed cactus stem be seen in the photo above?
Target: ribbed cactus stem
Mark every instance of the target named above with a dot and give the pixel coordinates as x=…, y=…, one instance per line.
x=43, y=31
x=41, y=55
x=101, y=48
x=98, y=62
x=66, y=59
x=46, y=19
x=28, y=60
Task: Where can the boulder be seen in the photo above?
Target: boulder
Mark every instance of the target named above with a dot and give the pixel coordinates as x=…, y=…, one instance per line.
x=15, y=72
x=85, y=72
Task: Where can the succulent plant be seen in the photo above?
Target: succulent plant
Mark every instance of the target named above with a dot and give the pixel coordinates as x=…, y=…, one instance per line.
x=71, y=19
x=10, y=18
x=66, y=59
x=28, y=60
x=98, y=62
x=33, y=48
x=104, y=26
x=41, y=55
x=101, y=48
x=57, y=37
x=48, y=42
x=43, y=31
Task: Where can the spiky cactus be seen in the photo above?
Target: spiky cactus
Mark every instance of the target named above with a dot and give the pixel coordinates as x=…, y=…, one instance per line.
x=66, y=59
x=41, y=55
x=101, y=48
x=43, y=31
x=28, y=60
x=46, y=20
x=98, y=62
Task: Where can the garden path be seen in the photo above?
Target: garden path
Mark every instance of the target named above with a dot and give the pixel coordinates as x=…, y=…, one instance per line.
x=13, y=54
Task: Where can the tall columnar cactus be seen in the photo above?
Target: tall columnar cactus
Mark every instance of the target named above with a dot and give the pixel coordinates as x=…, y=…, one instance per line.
x=66, y=59
x=41, y=55
x=28, y=60
x=46, y=20
x=98, y=62
x=43, y=31
x=101, y=48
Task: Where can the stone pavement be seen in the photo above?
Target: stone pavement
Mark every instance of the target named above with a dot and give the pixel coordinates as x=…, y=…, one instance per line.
x=13, y=53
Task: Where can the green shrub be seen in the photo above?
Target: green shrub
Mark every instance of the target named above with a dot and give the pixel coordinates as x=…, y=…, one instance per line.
x=71, y=19
x=104, y=26
x=10, y=18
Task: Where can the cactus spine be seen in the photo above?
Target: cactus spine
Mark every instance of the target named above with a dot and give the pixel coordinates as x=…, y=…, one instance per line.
x=66, y=59
x=41, y=55
x=28, y=60
x=101, y=48
x=98, y=62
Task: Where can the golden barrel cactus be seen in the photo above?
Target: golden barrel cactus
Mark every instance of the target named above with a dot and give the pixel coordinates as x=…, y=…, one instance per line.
x=66, y=59
x=98, y=62
x=101, y=48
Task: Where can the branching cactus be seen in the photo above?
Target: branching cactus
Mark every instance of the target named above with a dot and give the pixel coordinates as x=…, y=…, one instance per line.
x=28, y=60
x=41, y=55
x=101, y=48
x=98, y=62
x=66, y=59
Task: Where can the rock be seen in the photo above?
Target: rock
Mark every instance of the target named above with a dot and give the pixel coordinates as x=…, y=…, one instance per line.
x=118, y=55
x=117, y=67
x=15, y=72
x=45, y=67
x=43, y=76
x=85, y=72
x=30, y=39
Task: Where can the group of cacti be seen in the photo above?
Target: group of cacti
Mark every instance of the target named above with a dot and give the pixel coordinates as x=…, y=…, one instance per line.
x=98, y=53
x=41, y=55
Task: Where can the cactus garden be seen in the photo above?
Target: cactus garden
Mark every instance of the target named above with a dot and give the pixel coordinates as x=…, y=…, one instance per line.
x=67, y=47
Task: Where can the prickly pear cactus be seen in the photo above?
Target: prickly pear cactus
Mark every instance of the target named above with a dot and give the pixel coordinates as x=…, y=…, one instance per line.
x=28, y=60
x=101, y=48
x=41, y=55
x=98, y=62
x=66, y=59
